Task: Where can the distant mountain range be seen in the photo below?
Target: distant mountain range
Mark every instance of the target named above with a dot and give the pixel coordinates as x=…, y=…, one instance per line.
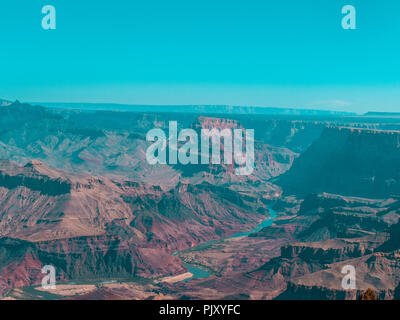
x=383, y=114
x=5, y=103
x=214, y=109
x=209, y=109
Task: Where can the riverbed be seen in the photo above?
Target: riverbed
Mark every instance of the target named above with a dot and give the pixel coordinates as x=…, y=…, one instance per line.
x=198, y=272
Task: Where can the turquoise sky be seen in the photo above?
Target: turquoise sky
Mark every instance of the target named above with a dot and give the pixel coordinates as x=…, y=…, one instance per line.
x=268, y=53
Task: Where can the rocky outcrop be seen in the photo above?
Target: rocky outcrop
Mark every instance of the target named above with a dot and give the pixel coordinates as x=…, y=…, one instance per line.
x=328, y=216
x=329, y=251
x=12, y=176
x=85, y=258
x=377, y=271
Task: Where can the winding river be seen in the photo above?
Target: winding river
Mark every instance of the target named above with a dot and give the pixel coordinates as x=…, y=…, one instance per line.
x=201, y=273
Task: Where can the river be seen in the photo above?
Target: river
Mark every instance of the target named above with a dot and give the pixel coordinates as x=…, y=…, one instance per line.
x=196, y=271
x=201, y=273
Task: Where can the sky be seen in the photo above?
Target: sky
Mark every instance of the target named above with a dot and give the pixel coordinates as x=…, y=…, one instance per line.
x=286, y=53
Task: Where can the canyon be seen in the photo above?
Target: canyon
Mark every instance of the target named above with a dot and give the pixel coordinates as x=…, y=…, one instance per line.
x=77, y=192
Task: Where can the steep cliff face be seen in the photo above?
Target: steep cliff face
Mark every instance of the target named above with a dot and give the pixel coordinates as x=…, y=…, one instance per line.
x=294, y=134
x=19, y=266
x=330, y=251
x=38, y=203
x=15, y=114
x=326, y=216
x=34, y=176
x=347, y=161
x=83, y=258
x=302, y=292
x=299, y=259
x=378, y=271
x=333, y=224
x=393, y=241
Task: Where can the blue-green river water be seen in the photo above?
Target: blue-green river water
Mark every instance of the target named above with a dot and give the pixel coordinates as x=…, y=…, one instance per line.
x=201, y=273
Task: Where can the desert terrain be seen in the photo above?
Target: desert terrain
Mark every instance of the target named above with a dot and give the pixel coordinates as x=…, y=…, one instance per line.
x=77, y=193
